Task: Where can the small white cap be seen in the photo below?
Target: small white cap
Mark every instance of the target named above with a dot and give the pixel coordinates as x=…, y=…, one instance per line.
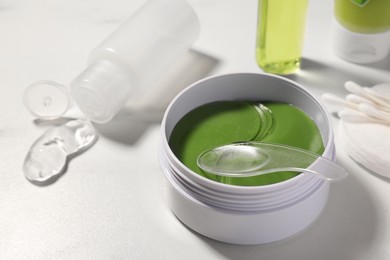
x=47, y=99
x=358, y=47
x=101, y=90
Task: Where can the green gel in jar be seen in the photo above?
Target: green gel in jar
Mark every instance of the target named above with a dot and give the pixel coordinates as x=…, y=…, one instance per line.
x=212, y=125
x=225, y=122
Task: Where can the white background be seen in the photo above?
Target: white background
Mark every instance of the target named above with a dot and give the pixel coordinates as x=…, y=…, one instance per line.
x=108, y=205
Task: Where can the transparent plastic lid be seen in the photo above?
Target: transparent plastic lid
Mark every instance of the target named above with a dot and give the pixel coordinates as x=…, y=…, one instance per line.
x=47, y=99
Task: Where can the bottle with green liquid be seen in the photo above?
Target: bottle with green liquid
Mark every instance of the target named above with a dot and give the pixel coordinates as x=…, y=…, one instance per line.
x=280, y=35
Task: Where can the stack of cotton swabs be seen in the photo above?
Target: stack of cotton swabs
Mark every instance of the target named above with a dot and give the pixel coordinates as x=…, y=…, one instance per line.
x=365, y=125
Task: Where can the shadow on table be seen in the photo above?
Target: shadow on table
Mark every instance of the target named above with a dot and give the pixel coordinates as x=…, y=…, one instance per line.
x=130, y=123
x=331, y=78
x=345, y=230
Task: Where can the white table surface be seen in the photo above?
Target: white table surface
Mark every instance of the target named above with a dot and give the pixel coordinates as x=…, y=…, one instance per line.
x=108, y=205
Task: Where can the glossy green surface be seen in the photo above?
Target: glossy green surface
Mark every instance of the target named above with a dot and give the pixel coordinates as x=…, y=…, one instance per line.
x=363, y=16
x=225, y=122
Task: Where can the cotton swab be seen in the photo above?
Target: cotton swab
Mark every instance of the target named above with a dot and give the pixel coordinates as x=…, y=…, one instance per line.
x=357, y=89
x=359, y=117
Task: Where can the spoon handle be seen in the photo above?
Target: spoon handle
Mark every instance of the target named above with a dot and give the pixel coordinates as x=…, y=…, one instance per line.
x=250, y=159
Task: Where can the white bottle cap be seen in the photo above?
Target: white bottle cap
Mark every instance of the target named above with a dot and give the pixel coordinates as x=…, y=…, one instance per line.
x=358, y=47
x=46, y=99
x=101, y=90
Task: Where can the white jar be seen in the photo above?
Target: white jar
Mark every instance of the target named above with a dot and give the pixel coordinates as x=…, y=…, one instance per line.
x=240, y=214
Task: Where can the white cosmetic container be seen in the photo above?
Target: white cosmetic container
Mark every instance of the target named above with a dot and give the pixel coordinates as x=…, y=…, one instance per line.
x=239, y=214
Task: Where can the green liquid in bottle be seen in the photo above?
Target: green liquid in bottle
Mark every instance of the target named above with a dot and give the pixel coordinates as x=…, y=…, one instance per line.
x=280, y=34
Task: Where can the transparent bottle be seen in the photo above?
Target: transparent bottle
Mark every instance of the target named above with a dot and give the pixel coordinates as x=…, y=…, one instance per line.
x=157, y=34
x=123, y=65
x=280, y=35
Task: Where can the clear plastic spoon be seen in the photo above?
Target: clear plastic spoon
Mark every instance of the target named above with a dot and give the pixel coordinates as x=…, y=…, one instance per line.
x=257, y=158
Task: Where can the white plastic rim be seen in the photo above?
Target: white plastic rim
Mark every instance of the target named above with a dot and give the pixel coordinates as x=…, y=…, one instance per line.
x=252, y=86
x=271, y=195
x=232, y=212
x=243, y=228
x=242, y=204
x=252, y=192
x=233, y=198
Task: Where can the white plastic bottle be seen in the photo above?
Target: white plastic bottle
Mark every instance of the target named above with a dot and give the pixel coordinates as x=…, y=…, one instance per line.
x=158, y=33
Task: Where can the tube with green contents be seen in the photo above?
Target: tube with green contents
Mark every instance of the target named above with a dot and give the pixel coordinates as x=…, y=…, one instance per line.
x=361, y=32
